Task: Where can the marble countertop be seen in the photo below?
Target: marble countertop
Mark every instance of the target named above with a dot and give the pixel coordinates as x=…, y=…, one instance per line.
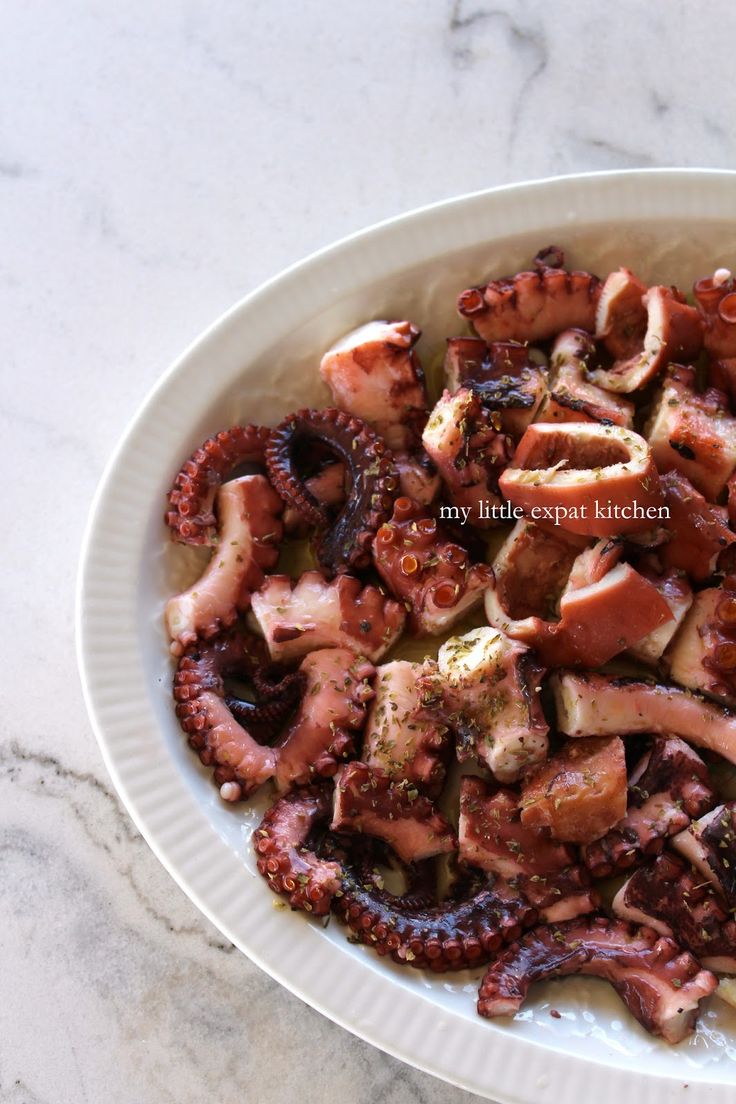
x=157, y=161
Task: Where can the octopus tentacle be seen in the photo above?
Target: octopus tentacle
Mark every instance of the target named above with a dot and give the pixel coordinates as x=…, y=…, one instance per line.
x=249, y=533
x=604, y=705
x=492, y=837
x=299, y=618
x=191, y=498
x=671, y=897
x=667, y=788
x=703, y=654
x=397, y=740
x=284, y=858
x=345, y=541
x=469, y=452
x=241, y=764
x=660, y=985
x=693, y=433
x=367, y=800
x=374, y=373
x=532, y=306
x=506, y=377
x=448, y=935
x=332, y=712
x=644, y=329
x=431, y=574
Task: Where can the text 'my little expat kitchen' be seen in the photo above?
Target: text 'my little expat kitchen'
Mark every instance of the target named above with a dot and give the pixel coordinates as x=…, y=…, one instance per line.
x=609, y=511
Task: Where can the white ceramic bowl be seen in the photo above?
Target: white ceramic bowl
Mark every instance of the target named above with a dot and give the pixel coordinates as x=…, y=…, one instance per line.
x=256, y=364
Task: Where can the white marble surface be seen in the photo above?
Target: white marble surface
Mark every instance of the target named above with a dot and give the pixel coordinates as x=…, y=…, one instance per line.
x=156, y=162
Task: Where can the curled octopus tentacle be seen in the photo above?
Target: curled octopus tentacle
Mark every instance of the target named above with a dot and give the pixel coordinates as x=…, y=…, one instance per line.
x=344, y=541
x=191, y=498
x=284, y=858
x=214, y=720
x=459, y=932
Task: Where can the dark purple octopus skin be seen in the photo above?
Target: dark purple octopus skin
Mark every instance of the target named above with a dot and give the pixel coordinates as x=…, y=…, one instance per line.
x=192, y=495
x=673, y=897
x=673, y=789
x=345, y=541
x=452, y=934
x=660, y=985
x=214, y=720
x=283, y=856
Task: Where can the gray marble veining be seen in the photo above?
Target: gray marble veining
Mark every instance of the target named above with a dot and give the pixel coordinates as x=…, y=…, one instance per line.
x=156, y=162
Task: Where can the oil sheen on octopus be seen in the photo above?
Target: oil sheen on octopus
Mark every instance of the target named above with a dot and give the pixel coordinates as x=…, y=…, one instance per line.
x=463, y=722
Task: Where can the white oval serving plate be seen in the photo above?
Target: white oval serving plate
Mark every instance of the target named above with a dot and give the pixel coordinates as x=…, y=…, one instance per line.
x=256, y=364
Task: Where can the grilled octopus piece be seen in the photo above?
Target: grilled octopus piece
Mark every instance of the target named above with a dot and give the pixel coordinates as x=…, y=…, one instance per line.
x=644, y=329
x=463, y=930
x=506, y=378
x=598, y=480
x=572, y=397
x=659, y=984
x=493, y=838
x=428, y=572
x=532, y=306
x=368, y=801
x=580, y=792
x=693, y=433
x=710, y=845
x=698, y=531
x=407, y=747
x=603, y=705
x=215, y=720
x=374, y=373
x=604, y=606
x=717, y=303
x=469, y=452
x=331, y=714
x=343, y=541
x=671, y=897
x=299, y=618
x=284, y=856
x=667, y=788
x=191, y=499
x=249, y=533
x=485, y=689
x=703, y=654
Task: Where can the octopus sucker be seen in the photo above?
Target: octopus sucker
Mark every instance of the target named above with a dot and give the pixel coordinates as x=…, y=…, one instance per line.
x=344, y=541
x=191, y=517
x=249, y=533
x=660, y=984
